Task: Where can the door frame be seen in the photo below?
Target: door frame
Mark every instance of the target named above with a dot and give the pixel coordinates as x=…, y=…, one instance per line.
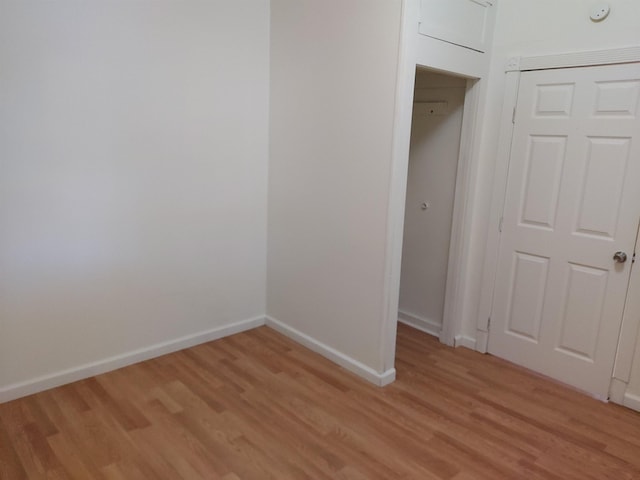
x=452, y=315
x=460, y=222
x=516, y=65
x=452, y=306
x=416, y=50
x=627, y=341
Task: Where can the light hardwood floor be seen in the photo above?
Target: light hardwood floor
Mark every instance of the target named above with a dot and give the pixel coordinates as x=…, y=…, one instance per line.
x=259, y=406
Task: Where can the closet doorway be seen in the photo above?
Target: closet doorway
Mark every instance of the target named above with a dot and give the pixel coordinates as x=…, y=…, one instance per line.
x=434, y=176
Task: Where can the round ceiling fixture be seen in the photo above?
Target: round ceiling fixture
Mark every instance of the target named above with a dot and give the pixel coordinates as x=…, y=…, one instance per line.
x=600, y=11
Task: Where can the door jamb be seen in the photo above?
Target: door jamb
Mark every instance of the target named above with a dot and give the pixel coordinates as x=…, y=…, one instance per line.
x=452, y=315
x=461, y=218
x=490, y=265
x=627, y=339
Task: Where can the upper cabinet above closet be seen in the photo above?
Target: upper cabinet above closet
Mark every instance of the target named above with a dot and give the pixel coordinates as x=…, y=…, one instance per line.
x=466, y=23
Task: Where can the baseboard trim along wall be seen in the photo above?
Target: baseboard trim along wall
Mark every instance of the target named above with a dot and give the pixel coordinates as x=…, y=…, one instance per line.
x=39, y=384
x=345, y=361
x=433, y=328
x=423, y=324
x=482, y=341
x=464, y=341
x=22, y=389
x=631, y=401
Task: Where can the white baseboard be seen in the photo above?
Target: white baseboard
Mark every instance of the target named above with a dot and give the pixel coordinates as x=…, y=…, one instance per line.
x=17, y=390
x=434, y=328
x=464, y=341
x=632, y=401
x=482, y=341
x=617, y=389
x=345, y=361
x=419, y=323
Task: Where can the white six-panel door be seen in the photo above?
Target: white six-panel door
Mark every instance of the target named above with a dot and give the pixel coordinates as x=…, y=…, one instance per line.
x=572, y=202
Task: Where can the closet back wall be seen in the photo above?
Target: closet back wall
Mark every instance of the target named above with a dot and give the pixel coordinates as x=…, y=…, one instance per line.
x=133, y=169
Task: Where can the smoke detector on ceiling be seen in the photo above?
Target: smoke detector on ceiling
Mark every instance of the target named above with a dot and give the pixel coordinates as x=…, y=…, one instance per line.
x=600, y=11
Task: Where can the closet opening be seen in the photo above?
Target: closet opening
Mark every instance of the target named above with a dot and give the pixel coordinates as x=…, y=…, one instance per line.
x=433, y=210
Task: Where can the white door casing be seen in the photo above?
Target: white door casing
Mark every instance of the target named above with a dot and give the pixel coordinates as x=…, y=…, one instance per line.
x=572, y=200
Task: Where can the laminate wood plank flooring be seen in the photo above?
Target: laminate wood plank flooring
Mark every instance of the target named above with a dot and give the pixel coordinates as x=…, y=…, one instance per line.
x=259, y=406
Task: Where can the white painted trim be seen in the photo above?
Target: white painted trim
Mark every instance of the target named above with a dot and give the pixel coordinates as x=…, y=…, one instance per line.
x=398, y=184
x=501, y=173
x=420, y=323
x=458, y=243
x=465, y=341
x=345, y=361
x=631, y=401
x=580, y=59
x=45, y=382
x=628, y=338
x=482, y=341
x=617, y=390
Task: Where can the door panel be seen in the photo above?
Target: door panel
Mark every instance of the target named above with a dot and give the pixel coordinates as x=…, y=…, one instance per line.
x=545, y=158
x=604, y=171
x=572, y=201
x=528, y=284
x=580, y=320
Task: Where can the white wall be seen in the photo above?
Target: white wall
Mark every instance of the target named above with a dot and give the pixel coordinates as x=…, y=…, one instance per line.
x=433, y=161
x=549, y=26
x=133, y=167
x=526, y=28
x=333, y=77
